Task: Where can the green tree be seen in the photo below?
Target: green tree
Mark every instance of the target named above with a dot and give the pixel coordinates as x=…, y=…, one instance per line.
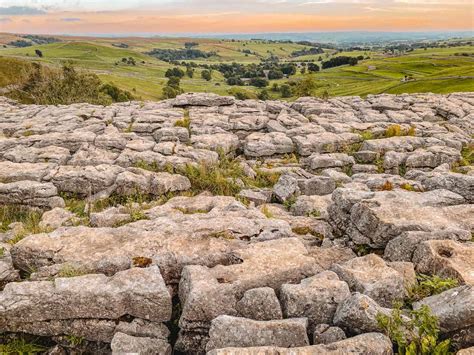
x=174, y=72
x=312, y=67
x=286, y=91
x=206, y=75
x=189, y=72
x=305, y=87
x=170, y=92
x=174, y=82
x=264, y=95
x=259, y=82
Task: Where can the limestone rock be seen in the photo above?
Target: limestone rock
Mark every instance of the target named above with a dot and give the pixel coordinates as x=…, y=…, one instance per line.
x=318, y=185
x=358, y=314
x=228, y=331
x=202, y=99
x=402, y=248
x=259, y=304
x=371, y=276
x=285, y=188
x=56, y=218
x=137, y=292
x=127, y=344
x=267, y=144
x=446, y=258
x=30, y=193
x=369, y=343
x=315, y=298
x=452, y=307
x=325, y=334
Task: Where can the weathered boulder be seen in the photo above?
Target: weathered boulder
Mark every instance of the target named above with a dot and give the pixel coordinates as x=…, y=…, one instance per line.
x=318, y=185
x=447, y=258
x=375, y=218
x=259, y=304
x=371, y=276
x=326, y=142
x=56, y=218
x=267, y=144
x=228, y=331
x=86, y=180
x=136, y=292
x=7, y=271
x=325, y=334
x=318, y=161
x=453, y=308
x=286, y=188
x=315, y=298
x=459, y=183
x=257, y=196
x=402, y=248
x=358, y=314
x=227, y=142
x=137, y=180
x=369, y=343
x=30, y=193
x=128, y=344
x=207, y=293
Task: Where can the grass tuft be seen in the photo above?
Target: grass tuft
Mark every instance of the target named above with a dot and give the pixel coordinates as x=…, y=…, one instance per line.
x=267, y=212
x=30, y=219
x=185, y=122
x=70, y=271
x=430, y=285
x=20, y=346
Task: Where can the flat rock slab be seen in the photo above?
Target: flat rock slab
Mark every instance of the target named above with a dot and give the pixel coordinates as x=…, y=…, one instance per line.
x=228, y=331
x=128, y=344
x=137, y=292
x=172, y=238
x=374, y=218
x=370, y=343
x=30, y=193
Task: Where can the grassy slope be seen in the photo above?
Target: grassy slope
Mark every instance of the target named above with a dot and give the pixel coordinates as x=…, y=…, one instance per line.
x=435, y=70
x=10, y=70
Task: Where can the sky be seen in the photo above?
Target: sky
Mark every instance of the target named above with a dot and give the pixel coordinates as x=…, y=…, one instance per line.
x=231, y=16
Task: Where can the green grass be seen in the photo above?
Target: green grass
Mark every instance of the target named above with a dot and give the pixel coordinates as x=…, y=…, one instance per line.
x=20, y=347
x=436, y=70
x=414, y=333
x=29, y=218
x=10, y=70
x=430, y=285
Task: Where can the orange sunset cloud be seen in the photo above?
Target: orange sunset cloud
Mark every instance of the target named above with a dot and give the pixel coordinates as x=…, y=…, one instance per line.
x=284, y=16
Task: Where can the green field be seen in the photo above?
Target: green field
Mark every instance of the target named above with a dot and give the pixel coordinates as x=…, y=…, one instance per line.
x=437, y=70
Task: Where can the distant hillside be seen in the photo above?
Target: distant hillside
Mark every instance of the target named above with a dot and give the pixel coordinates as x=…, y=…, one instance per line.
x=353, y=37
x=263, y=68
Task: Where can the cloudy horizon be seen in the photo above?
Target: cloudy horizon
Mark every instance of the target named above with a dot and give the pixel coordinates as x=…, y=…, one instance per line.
x=246, y=16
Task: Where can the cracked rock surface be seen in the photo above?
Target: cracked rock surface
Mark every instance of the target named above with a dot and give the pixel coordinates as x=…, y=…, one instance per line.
x=208, y=224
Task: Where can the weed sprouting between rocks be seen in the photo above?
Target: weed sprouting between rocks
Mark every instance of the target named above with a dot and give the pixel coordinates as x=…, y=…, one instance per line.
x=413, y=334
